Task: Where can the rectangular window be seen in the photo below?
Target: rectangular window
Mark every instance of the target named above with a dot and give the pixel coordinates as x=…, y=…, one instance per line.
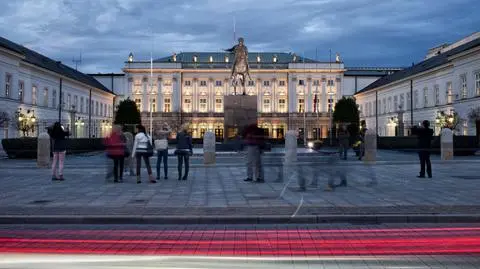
x=203, y=105
x=266, y=83
x=45, y=97
x=81, y=104
x=281, y=83
x=449, y=92
x=203, y=83
x=251, y=83
x=167, y=82
x=188, y=83
x=266, y=105
x=389, y=104
x=54, y=98
x=463, y=86
x=395, y=103
x=415, y=99
x=8, y=85
x=187, y=105
x=75, y=102
x=21, y=90
x=401, y=106
x=138, y=102
x=425, y=97
x=316, y=82
x=330, y=105
x=153, y=105
x=384, y=105
x=34, y=95
x=301, y=82
x=437, y=94
x=218, y=105
x=218, y=83
x=301, y=105
x=330, y=82
x=282, y=106
x=167, y=106
x=477, y=83
x=96, y=109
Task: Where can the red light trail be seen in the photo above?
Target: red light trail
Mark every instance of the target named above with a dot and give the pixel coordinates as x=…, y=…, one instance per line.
x=261, y=242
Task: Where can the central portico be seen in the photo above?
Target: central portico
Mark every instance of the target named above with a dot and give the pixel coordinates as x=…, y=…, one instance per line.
x=290, y=92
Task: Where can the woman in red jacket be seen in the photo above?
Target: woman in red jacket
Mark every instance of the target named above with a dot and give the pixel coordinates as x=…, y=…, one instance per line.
x=115, y=146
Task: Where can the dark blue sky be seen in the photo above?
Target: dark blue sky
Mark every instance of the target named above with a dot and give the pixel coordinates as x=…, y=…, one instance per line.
x=364, y=32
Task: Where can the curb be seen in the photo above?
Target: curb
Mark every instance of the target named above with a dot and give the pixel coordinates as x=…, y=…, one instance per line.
x=304, y=219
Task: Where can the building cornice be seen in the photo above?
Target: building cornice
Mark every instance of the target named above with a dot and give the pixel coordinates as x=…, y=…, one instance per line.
x=7, y=51
x=160, y=71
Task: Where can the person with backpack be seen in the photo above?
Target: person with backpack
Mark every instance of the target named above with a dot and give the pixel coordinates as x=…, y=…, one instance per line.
x=116, y=150
x=143, y=149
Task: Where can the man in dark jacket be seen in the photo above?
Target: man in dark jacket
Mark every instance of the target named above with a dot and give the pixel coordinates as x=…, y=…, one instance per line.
x=425, y=136
x=255, y=142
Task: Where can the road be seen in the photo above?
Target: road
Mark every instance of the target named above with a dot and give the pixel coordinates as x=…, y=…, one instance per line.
x=240, y=246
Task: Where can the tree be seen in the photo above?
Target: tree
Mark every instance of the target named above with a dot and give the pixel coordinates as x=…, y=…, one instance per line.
x=127, y=113
x=346, y=112
x=450, y=121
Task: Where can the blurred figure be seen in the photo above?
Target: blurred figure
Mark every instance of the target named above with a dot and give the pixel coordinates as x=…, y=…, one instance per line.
x=58, y=135
x=363, y=131
x=183, y=151
x=255, y=143
x=161, y=146
x=116, y=150
x=129, y=159
x=334, y=170
x=425, y=136
x=142, y=149
x=344, y=141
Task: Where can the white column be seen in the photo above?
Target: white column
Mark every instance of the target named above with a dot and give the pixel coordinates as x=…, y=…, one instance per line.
x=338, y=86
x=292, y=95
x=159, y=95
x=176, y=94
x=273, y=101
x=129, y=92
x=324, y=101
x=194, y=95
x=145, y=100
x=211, y=95
x=259, y=95
x=308, y=96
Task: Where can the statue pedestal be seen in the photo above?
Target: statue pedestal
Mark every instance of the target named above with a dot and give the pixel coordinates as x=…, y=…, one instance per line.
x=239, y=111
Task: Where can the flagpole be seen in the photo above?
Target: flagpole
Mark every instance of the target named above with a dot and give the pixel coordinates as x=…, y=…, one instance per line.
x=331, y=104
x=304, y=108
x=151, y=89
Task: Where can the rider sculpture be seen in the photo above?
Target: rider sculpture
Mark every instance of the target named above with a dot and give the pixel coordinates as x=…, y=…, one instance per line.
x=240, y=70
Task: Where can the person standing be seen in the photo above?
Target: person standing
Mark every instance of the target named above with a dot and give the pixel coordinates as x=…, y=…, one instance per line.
x=161, y=146
x=344, y=141
x=58, y=135
x=115, y=144
x=183, y=151
x=254, y=141
x=425, y=136
x=363, y=132
x=142, y=149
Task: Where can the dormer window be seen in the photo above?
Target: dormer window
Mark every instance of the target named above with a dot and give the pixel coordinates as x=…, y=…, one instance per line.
x=211, y=59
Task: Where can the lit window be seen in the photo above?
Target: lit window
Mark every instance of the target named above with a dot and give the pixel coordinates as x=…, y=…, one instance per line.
x=167, y=106
x=203, y=83
x=167, y=82
x=266, y=105
x=188, y=83
x=138, y=102
x=8, y=85
x=203, y=105
x=21, y=90
x=153, y=105
x=281, y=83
x=218, y=105
x=437, y=94
x=477, y=83
x=282, y=105
x=463, y=79
x=301, y=105
x=301, y=82
x=187, y=105
x=266, y=83
x=34, y=95
x=45, y=97
x=251, y=83
x=449, y=92
x=425, y=97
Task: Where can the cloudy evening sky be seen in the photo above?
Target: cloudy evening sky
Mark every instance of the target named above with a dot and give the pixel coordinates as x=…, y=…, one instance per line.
x=364, y=32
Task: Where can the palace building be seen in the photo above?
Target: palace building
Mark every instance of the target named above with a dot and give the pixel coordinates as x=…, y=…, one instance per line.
x=293, y=92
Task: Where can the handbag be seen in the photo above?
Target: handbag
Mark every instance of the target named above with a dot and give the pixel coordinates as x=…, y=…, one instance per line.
x=149, y=152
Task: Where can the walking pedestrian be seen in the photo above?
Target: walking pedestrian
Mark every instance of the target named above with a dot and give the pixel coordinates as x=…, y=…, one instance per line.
x=143, y=149
x=58, y=135
x=255, y=142
x=116, y=150
x=129, y=159
x=425, y=136
x=183, y=151
x=161, y=146
x=363, y=131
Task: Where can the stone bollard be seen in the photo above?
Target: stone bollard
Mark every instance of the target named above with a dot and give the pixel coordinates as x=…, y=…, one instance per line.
x=209, y=148
x=446, y=144
x=370, y=146
x=43, y=150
